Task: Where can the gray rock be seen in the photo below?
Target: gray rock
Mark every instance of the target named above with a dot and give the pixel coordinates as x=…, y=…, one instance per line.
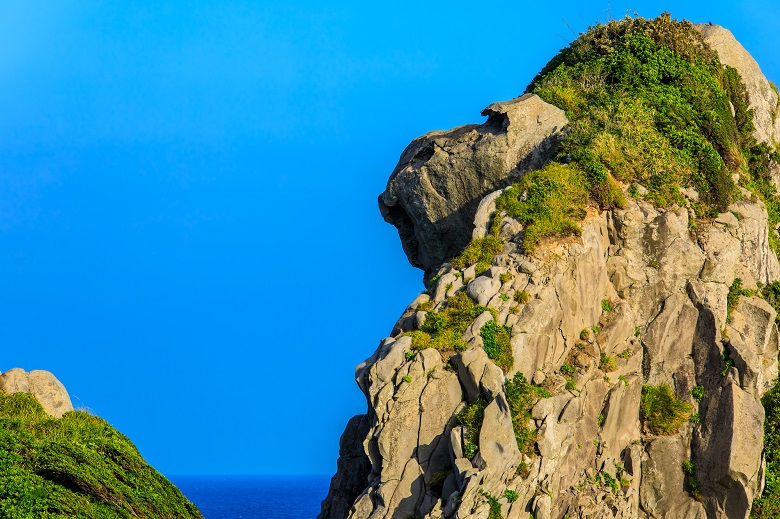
x=434, y=191
x=483, y=289
x=44, y=386
x=763, y=99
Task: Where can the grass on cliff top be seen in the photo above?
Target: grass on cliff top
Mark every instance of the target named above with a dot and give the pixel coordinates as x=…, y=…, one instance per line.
x=76, y=466
x=650, y=104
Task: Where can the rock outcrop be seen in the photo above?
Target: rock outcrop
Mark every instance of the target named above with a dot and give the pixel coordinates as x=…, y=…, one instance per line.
x=642, y=304
x=44, y=386
x=434, y=191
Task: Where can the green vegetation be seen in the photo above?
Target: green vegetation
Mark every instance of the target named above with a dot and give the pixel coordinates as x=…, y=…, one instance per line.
x=511, y=496
x=479, y=252
x=568, y=371
x=728, y=362
x=547, y=202
x=735, y=292
x=522, y=297
x=771, y=293
x=607, y=363
x=407, y=379
x=689, y=469
x=497, y=345
x=76, y=466
x=649, y=103
x=767, y=505
x=624, y=354
x=697, y=393
x=606, y=306
x=443, y=329
x=471, y=418
x=662, y=412
x=600, y=419
x=571, y=385
x=521, y=397
x=506, y=276
x=495, y=506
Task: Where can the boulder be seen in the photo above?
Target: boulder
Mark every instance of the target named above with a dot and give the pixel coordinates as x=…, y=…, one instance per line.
x=44, y=386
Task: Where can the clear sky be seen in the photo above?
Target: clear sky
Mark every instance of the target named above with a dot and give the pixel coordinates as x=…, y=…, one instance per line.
x=189, y=233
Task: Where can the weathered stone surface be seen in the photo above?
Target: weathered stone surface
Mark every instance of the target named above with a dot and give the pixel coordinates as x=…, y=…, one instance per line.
x=434, y=191
x=662, y=491
x=669, y=345
x=483, y=289
x=763, y=98
x=44, y=386
x=353, y=468
x=728, y=451
x=753, y=342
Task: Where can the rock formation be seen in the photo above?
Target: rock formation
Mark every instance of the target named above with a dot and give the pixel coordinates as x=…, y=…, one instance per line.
x=44, y=386
x=644, y=306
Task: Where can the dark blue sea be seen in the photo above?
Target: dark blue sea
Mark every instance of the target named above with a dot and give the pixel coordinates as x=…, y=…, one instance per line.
x=250, y=497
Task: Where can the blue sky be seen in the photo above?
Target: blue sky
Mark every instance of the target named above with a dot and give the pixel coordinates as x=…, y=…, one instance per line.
x=189, y=233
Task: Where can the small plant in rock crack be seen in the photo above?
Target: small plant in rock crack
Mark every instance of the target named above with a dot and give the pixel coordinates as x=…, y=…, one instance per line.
x=567, y=370
x=607, y=363
x=606, y=306
x=697, y=393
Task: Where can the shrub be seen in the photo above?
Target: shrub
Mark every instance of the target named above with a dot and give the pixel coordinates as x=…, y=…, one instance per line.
x=77, y=465
x=497, y=344
x=606, y=306
x=522, y=297
x=548, y=202
x=511, y=496
x=443, y=329
x=735, y=292
x=480, y=252
x=649, y=102
x=407, y=379
x=567, y=370
x=495, y=506
x=697, y=393
x=506, y=276
x=521, y=397
x=607, y=363
x=767, y=505
x=662, y=412
x=471, y=417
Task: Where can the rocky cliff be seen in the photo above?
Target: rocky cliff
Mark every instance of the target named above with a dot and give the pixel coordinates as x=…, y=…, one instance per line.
x=598, y=336
x=57, y=462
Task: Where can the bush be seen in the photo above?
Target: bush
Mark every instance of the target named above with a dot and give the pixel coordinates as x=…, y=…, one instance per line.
x=77, y=465
x=662, y=412
x=767, y=505
x=443, y=329
x=607, y=363
x=650, y=103
x=548, y=202
x=480, y=252
x=521, y=397
x=496, y=342
x=471, y=418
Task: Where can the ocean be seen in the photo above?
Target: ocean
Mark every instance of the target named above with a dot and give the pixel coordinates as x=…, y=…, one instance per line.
x=250, y=497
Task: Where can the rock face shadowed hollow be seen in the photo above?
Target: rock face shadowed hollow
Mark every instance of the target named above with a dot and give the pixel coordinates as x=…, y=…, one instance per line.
x=638, y=362
x=434, y=191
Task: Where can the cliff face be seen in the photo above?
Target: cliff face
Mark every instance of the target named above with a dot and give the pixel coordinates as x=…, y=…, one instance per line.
x=615, y=371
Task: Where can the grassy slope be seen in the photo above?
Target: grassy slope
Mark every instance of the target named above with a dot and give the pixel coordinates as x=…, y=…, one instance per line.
x=76, y=466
